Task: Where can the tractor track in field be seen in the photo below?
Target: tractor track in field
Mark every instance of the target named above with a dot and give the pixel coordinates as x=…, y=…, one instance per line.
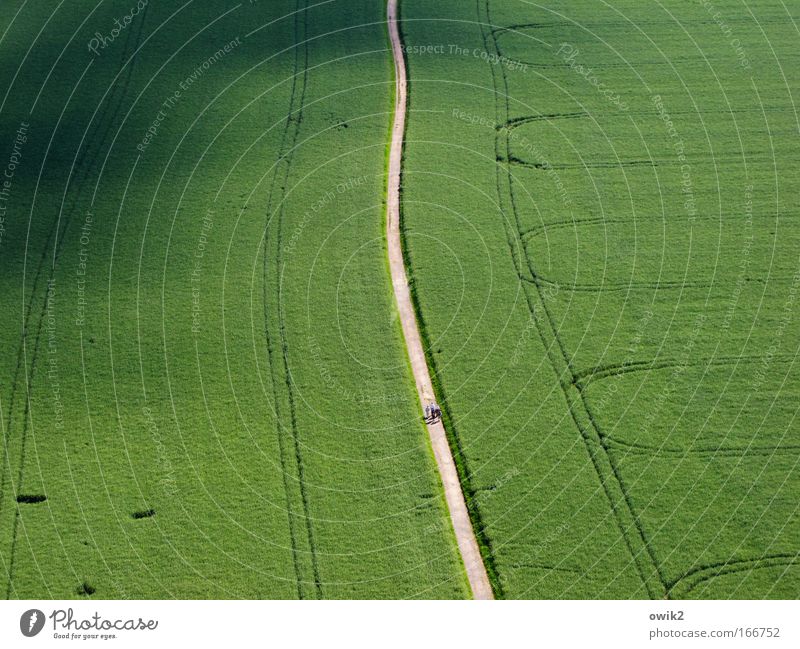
x=596, y=164
x=290, y=458
x=632, y=164
x=586, y=376
x=709, y=452
x=608, y=474
x=542, y=228
x=114, y=99
x=453, y=489
x=548, y=117
x=642, y=285
x=627, y=24
x=706, y=572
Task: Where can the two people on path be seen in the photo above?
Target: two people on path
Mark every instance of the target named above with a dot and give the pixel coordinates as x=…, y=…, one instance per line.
x=433, y=412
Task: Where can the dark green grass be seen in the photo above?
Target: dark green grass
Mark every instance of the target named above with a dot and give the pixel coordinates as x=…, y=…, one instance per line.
x=236, y=367
x=614, y=325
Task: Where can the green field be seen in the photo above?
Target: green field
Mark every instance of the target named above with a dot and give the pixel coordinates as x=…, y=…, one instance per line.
x=206, y=379
x=204, y=389
x=601, y=206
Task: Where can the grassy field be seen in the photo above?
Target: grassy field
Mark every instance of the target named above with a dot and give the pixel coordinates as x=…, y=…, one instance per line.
x=601, y=203
x=204, y=389
x=201, y=368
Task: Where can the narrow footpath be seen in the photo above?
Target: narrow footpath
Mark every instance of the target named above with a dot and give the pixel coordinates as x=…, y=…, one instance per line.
x=465, y=536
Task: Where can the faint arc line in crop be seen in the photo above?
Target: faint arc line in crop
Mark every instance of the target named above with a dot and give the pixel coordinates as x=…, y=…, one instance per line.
x=456, y=504
x=649, y=559
x=54, y=232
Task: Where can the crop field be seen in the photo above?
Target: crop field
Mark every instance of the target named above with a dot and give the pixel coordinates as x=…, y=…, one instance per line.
x=601, y=207
x=204, y=388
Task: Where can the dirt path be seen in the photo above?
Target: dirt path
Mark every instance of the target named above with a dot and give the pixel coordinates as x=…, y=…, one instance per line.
x=467, y=544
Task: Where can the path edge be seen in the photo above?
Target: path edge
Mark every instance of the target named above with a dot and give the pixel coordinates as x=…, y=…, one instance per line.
x=482, y=583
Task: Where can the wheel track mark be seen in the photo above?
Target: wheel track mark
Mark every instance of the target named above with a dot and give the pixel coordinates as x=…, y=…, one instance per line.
x=115, y=98
x=541, y=228
x=546, y=566
x=461, y=516
x=536, y=230
x=709, y=452
x=637, y=542
x=617, y=164
x=79, y=160
x=619, y=23
x=614, y=287
x=528, y=234
x=299, y=578
x=586, y=376
x=289, y=140
x=597, y=164
x=516, y=122
x=709, y=571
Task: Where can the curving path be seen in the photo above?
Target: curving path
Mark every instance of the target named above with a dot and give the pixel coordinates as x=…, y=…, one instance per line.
x=465, y=536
